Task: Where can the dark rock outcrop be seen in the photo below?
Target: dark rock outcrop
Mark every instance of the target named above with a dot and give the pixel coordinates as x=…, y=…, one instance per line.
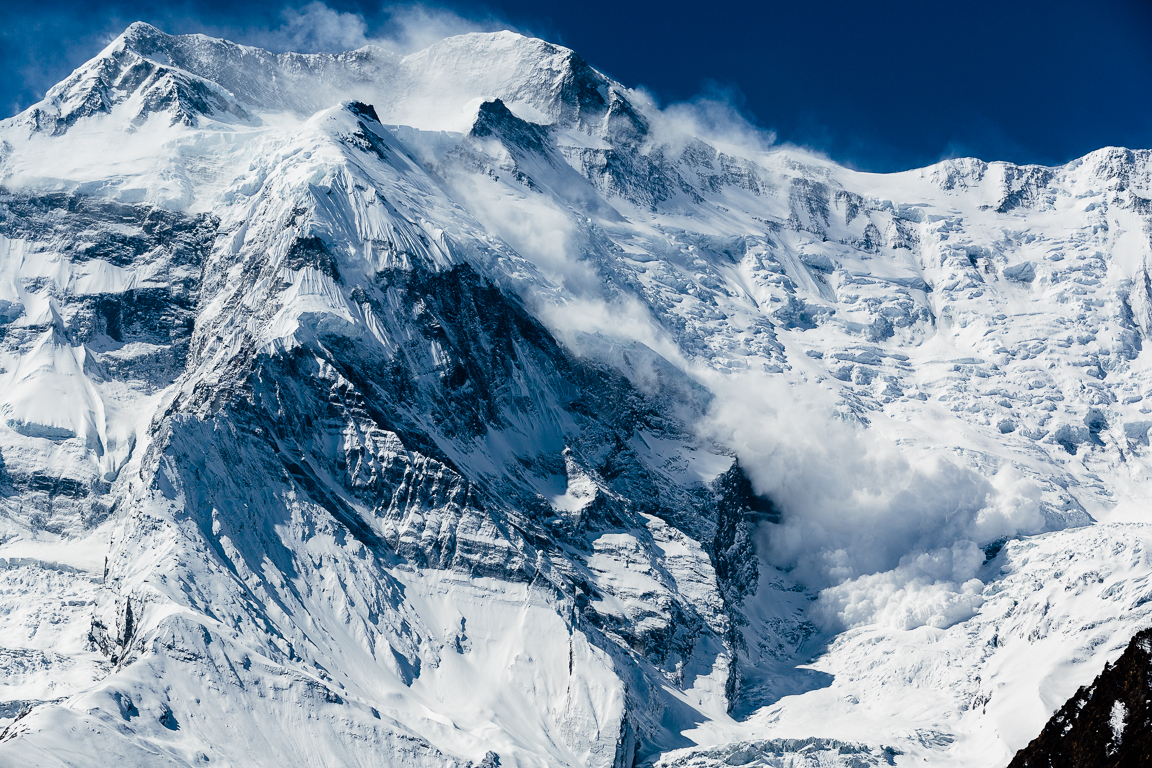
x=1108, y=724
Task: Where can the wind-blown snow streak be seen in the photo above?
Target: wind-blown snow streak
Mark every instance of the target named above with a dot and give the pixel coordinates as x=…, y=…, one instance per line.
x=463, y=407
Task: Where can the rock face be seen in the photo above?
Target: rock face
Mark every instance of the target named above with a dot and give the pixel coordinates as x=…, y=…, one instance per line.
x=1107, y=723
x=466, y=408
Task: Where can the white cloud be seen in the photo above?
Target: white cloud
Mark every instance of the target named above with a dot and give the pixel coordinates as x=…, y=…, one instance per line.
x=414, y=27
x=316, y=27
x=889, y=532
x=714, y=116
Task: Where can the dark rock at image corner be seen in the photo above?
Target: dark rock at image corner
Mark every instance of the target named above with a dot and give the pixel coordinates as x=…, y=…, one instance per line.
x=1108, y=724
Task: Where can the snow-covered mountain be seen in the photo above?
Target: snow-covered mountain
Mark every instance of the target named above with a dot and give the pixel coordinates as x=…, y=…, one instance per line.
x=466, y=408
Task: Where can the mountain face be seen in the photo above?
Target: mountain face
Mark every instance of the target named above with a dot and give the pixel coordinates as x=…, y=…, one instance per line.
x=466, y=408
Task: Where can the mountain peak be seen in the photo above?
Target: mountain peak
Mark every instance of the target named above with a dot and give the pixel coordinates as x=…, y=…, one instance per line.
x=436, y=88
x=142, y=30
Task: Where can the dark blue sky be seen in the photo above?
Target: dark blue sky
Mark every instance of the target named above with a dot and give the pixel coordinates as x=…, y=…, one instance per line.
x=881, y=86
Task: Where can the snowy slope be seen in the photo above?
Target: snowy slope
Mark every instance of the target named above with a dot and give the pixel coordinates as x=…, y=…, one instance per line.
x=467, y=408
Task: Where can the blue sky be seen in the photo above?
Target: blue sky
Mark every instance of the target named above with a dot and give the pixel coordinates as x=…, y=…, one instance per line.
x=881, y=86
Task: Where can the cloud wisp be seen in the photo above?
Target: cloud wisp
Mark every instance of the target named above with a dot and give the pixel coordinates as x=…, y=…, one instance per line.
x=717, y=115
x=403, y=28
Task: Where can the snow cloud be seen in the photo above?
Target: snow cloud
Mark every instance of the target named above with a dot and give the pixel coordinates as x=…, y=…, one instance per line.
x=535, y=227
x=553, y=241
x=401, y=28
x=415, y=27
x=890, y=533
x=316, y=27
x=716, y=115
x=937, y=588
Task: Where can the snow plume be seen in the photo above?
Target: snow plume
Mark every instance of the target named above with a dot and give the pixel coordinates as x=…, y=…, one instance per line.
x=411, y=28
x=550, y=238
x=889, y=533
x=316, y=27
x=534, y=227
x=403, y=28
x=716, y=116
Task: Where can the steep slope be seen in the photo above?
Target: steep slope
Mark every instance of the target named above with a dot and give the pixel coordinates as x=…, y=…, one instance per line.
x=466, y=408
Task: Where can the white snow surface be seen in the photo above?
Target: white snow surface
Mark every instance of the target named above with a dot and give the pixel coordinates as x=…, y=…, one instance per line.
x=939, y=378
x=1116, y=722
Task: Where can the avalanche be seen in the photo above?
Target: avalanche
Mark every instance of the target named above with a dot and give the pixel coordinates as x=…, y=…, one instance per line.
x=467, y=408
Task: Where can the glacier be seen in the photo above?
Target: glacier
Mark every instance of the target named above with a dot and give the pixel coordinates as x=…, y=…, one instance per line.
x=469, y=408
